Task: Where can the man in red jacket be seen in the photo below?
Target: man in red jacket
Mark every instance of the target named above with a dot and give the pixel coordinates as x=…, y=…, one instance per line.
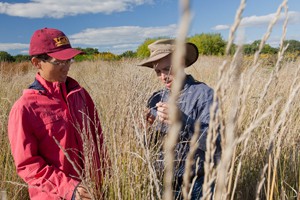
x=51, y=121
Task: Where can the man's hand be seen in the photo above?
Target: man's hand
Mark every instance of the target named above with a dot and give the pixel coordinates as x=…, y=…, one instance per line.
x=149, y=117
x=163, y=112
x=82, y=193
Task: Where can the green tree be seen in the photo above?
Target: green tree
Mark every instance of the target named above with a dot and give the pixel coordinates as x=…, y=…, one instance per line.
x=21, y=58
x=254, y=46
x=232, y=49
x=106, y=56
x=267, y=49
x=6, y=57
x=294, y=46
x=83, y=57
x=89, y=51
x=142, y=50
x=209, y=44
x=248, y=49
x=128, y=54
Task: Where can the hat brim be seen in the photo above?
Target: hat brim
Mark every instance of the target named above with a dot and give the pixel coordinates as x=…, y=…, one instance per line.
x=149, y=62
x=191, y=56
x=65, y=54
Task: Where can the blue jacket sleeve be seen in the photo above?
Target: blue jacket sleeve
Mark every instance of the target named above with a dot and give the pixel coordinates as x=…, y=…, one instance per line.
x=201, y=115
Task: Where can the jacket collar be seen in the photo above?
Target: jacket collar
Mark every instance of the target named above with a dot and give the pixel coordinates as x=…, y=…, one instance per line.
x=42, y=85
x=36, y=86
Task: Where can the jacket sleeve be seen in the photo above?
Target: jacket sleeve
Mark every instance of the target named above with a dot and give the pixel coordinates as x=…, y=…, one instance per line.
x=202, y=113
x=31, y=167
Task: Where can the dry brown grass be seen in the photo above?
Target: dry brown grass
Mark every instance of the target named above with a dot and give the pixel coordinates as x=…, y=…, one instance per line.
x=120, y=90
x=259, y=112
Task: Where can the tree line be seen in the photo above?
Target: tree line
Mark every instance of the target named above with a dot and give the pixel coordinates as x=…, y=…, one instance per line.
x=211, y=44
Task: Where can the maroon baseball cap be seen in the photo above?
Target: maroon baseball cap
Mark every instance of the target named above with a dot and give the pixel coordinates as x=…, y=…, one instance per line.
x=52, y=42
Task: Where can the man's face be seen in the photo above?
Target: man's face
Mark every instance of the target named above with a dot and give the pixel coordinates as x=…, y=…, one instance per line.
x=52, y=70
x=163, y=71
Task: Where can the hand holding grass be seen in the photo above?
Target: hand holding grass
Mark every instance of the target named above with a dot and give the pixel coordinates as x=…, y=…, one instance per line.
x=163, y=112
x=82, y=193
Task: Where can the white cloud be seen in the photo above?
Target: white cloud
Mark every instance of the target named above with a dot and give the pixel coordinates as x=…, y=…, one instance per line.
x=294, y=17
x=113, y=39
x=255, y=21
x=12, y=46
x=221, y=27
x=55, y=9
x=120, y=39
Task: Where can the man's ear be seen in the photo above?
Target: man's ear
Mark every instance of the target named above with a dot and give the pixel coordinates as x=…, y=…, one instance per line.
x=36, y=62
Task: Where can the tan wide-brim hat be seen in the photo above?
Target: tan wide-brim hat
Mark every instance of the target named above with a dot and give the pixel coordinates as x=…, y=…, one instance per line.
x=164, y=47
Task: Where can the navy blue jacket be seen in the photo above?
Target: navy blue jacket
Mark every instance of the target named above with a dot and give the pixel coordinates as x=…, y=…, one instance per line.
x=194, y=102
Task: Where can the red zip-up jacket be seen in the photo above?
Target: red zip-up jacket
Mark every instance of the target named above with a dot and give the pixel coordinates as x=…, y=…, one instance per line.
x=47, y=113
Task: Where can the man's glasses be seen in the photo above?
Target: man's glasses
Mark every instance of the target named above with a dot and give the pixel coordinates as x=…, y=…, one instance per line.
x=48, y=59
x=60, y=62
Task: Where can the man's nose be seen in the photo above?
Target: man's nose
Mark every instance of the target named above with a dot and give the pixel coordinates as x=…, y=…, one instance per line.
x=164, y=75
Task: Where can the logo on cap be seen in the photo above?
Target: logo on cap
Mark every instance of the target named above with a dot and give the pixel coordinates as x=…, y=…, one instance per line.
x=62, y=40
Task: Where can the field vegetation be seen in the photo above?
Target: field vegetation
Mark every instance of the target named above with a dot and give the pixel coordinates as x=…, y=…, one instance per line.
x=259, y=114
x=266, y=134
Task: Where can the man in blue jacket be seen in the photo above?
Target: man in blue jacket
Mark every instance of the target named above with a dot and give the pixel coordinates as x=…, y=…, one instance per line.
x=194, y=103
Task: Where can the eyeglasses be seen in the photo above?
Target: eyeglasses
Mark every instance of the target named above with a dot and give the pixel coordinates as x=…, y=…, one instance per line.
x=60, y=62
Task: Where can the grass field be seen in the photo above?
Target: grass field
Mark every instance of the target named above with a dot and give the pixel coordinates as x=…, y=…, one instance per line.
x=260, y=113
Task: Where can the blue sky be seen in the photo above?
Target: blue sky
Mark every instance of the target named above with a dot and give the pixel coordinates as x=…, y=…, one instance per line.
x=121, y=25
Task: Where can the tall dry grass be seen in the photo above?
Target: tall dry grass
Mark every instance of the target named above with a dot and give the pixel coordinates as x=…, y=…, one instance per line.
x=120, y=90
x=259, y=113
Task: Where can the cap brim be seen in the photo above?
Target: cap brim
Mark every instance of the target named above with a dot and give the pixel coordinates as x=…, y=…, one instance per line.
x=65, y=54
